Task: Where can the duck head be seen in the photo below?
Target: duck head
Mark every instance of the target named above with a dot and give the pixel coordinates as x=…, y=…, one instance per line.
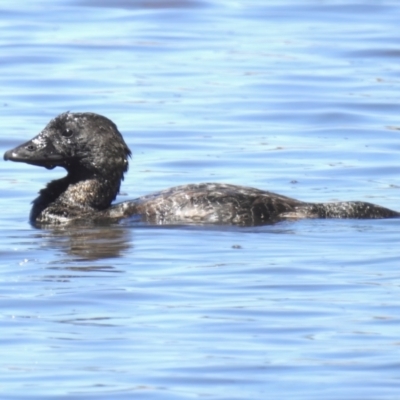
x=85, y=144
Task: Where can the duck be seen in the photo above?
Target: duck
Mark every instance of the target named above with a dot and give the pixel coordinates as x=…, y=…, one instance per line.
x=91, y=149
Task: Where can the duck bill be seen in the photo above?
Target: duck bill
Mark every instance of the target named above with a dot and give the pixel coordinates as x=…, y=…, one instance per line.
x=37, y=151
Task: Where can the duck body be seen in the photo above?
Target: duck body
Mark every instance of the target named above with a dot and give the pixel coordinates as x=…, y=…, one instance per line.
x=95, y=155
x=211, y=203
x=217, y=203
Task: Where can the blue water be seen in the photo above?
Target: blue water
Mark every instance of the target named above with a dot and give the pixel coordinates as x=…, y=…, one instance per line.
x=300, y=98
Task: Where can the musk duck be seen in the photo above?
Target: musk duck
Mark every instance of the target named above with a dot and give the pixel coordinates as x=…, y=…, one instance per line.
x=96, y=157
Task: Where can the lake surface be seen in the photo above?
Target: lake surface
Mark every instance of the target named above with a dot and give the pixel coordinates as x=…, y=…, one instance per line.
x=300, y=98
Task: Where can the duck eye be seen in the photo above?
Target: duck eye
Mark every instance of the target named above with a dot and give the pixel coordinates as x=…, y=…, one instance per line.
x=67, y=132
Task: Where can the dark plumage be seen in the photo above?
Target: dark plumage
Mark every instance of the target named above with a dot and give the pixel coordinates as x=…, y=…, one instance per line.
x=91, y=149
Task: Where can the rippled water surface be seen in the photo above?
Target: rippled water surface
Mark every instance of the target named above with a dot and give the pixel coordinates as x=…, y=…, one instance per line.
x=301, y=98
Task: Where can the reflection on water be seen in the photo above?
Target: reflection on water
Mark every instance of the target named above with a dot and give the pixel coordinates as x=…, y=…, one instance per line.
x=94, y=242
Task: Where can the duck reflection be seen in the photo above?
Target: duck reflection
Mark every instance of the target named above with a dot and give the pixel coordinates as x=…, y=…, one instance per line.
x=88, y=242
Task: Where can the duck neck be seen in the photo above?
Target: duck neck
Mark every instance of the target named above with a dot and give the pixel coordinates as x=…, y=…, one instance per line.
x=70, y=197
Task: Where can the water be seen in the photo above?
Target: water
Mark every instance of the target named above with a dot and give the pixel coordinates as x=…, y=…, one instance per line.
x=300, y=99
